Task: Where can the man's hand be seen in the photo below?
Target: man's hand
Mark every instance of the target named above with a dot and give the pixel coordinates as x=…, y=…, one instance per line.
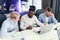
x=52, y=15
x=15, y=30
x=30, y=27
x=45, y=23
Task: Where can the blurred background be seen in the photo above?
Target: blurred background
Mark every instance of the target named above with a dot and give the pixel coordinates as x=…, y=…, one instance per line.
x=23, y=5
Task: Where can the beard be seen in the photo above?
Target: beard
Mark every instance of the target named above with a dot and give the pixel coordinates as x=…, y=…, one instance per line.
x=30, y=16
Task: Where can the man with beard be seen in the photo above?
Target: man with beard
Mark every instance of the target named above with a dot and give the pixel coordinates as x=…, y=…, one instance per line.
x=28, y=20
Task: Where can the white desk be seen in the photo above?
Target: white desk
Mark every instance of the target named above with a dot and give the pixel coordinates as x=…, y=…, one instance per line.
x=30, y=35
x=8, y=38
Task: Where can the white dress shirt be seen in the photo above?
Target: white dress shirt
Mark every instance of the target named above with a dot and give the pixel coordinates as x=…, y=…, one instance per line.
x=26, y=22
x=8, y=27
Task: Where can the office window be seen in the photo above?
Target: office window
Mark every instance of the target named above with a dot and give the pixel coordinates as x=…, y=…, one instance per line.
x=27, y=4
x=38, y=4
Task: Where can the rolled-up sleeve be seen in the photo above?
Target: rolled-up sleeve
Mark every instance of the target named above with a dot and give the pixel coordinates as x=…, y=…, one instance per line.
x=4, y=30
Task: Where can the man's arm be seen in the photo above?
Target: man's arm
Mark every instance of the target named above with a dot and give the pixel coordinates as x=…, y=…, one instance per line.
x=4, y=30
x=53, y=17
x=54, y=20
x=22, y=24
x=38, y=22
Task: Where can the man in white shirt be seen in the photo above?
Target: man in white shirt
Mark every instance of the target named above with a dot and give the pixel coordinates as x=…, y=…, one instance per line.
x=9, y=26
x=28, y=20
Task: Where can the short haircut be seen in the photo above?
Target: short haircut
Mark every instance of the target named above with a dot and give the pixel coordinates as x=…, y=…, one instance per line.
x=14, y=14
x=48, y=9
x=31, y=9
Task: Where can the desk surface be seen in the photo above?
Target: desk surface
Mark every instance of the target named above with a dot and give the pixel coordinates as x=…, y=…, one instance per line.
x=30, y=35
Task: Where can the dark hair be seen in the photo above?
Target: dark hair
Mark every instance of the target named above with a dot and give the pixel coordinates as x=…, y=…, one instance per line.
x=31, y=10
x=48, y=9
x=32, y=7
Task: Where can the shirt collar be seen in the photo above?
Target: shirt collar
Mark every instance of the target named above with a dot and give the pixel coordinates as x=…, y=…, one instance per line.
x=28, y=16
